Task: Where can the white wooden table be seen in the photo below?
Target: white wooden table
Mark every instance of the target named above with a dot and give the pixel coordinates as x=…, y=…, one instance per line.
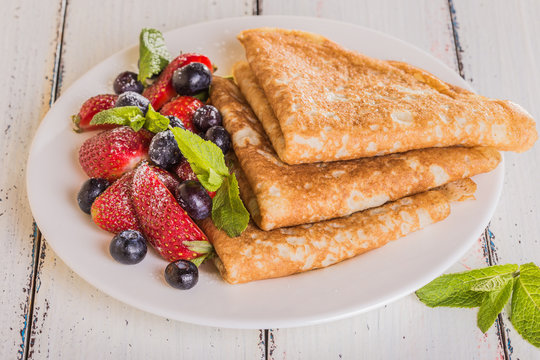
x=47, y=311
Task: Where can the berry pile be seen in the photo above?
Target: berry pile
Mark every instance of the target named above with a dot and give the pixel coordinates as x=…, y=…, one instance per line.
x=141, y=187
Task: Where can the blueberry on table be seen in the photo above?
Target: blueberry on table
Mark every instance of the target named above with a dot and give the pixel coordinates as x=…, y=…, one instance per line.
x=219, y=136
x=131, y=98
x=164, y=151
x=128, y=247
x=182, y=274
x=127, y=81
x=194, y=198
x=191, y=79
x=90, y=190
x=205, y=117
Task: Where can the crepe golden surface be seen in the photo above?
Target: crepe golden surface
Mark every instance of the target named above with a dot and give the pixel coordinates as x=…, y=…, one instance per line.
x=335, y=104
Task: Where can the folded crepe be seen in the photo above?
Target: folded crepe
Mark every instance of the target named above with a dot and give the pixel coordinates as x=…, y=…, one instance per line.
x=257, y=254
x=287, y=195
x=335, y=104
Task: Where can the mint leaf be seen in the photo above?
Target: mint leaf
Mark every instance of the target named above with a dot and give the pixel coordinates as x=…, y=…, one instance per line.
x=228, y=211
x=493, y=303
x=526, y=304
x=125, y=115
x=199, y=260
x=155, y=122
x=456, y=290
x=493, y=284
x=153, y=53
x=201, y=247
x=205, y=157
x=203, y=95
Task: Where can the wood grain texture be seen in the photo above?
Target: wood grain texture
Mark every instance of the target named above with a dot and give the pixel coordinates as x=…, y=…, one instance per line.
x=499, y=48
x=406, y=328
x=71, y=318
x=28, y=43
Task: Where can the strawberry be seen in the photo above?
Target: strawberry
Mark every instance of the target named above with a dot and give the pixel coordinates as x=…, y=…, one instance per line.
x=161, y=91
x=114, y=152
x=168, y=179
x=113, y=210
x=183, y=108
x=91, y=107
x=185, y=172
x=166, y=226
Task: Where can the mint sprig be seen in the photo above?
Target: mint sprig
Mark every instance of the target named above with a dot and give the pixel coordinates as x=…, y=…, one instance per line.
x=228, y=211
x=133, y=117
x=490, y=289
x=153, y=53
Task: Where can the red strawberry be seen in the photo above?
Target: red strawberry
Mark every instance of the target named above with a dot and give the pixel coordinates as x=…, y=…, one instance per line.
x=91, y=107
x=113, y=210
x=166, y=226
x=170, y=182
x=114, y=152
x=185, y=172
x=162, y=91
x=183, y=108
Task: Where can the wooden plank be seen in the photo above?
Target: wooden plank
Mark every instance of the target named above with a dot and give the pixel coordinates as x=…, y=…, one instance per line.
x=28, y=41
x=406, y=328
x=500, y=52
x=73, y=319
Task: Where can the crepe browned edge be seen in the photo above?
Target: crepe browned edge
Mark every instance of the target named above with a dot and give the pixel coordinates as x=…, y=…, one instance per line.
x=258, y=254
x=336, y=104
x=287, y=195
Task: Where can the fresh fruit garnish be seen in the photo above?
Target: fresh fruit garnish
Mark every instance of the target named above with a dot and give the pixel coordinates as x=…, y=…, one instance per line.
x=90, y=190
x=182, y=274
x=113, y=210
x=128, y=247
x=91, y=107
x=205, y=117
x=183, y=107
x=219, y=136
x=168, y=179
x=191, y=79
x=131, y=98
x=166, y=226
x=162, y=91
x=164, y=151
x=114, y=152
x=127, y=81
x=185, y=172
x=193, y=198
x=175, y=122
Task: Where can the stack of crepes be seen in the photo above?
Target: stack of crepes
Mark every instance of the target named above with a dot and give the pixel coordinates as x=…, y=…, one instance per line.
x=337, y=153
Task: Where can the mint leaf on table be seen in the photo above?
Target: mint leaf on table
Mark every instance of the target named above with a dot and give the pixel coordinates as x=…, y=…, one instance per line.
x=526, y=303
x=228, y=211
x=456, y=290
x=205, y=157
x=493, y=304
x=153, y=53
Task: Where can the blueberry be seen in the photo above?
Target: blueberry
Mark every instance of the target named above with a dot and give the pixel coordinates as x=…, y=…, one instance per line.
x=163, y=150
x=205, y=117
x=175, y=122
x=191, y=79
x=90, y=190
x=219, y=136
x=127, y=81
x=131, y=98
x=182, y=274
x=193, y=198
x=128, y=247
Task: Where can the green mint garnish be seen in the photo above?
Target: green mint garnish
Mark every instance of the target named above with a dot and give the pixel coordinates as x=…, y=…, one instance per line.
x=228, y=211
x=203, y=96
x=205, y=158
x=526, y=303
x=153, y=53
x=490, y=289
x=133, y=117
x=199, y=260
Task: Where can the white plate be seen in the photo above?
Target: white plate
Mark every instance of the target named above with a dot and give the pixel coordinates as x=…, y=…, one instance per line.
x=342, y=290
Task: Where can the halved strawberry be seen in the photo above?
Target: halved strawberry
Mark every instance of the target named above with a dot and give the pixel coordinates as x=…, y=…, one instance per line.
x=114, y=152
x=168, y=179
x=91, y=107
x=185, y=172
x=166, y=226
x=183, y=108
x=161, y=91
x=113, y=210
